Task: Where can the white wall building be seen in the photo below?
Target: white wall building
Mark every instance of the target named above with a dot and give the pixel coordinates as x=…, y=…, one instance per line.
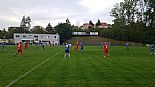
x=32, y=38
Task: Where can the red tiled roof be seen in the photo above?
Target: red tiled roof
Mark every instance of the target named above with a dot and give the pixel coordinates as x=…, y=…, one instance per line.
x=86, y=24
x=104, y=24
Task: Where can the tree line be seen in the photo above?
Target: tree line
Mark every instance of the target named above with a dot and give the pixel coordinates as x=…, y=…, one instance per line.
x=134, y=20
x=63, y=29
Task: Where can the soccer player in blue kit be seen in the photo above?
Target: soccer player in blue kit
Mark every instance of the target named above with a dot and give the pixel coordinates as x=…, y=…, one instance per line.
x=67, y=50
x=127, y=46
x=152, y=48
x=3, y=44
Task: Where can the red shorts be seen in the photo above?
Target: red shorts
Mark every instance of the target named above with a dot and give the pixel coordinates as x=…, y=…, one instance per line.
x=19, y=51
x=105, y=51
x=76, y=47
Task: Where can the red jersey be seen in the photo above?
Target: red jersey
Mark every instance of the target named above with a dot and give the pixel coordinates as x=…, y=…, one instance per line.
x=76, y=46
x=26, y=45
x=105, y=46
x=19, y=46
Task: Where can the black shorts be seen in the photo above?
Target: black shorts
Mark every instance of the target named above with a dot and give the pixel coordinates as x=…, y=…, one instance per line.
x=66, y=51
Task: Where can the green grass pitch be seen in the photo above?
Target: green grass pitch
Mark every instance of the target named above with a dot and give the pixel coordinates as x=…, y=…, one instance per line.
x=133, y=68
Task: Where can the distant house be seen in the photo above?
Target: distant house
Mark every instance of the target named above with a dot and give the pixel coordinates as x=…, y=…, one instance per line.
x=103, y=25
x=85, y=26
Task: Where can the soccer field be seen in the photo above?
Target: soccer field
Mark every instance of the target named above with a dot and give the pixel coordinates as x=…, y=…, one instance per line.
x=48, y=68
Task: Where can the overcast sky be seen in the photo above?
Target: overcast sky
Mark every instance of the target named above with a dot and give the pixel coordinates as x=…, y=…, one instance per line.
x=43, y=12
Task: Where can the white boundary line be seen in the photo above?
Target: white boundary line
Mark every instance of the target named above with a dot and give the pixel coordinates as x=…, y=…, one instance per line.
x=14, y=81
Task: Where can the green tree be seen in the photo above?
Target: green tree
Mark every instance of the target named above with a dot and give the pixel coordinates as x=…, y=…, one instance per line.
x=98, y=23
x=67, y=21
x=134, y=20
x=1, y=35
x=91, y=23
x=50, y=29
x=91, y=26
x=77, y=29
x=38, y=30
x=65, y=31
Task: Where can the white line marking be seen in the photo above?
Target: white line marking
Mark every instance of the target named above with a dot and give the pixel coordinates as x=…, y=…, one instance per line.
x=14, y=81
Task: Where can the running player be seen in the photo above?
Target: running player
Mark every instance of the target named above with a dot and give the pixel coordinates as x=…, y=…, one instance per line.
x=76, y=46
x=82, y=46
x=152, y=49
x=37, y=43
x=26, y=46
x=19, y=49
x=3, y=44
x=43, y=45
x=106, y=49
x=50, y=43
x=67, y=48
x=53, y=43
x=127, y=46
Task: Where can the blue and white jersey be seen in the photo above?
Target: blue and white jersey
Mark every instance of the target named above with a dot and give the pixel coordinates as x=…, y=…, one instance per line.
x=43, y=44
x=67, y=47
x=152, y=46
x=3, y=44
x=126, y=45
x=82, y=45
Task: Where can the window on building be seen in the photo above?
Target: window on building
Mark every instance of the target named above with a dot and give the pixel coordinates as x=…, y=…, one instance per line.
x=36, y=36
x=24, y=35
x=17, y=36
x=48, y=37
x=55, y=37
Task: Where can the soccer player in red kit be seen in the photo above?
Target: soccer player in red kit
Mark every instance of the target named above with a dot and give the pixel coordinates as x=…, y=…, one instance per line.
x=106, y=49
x=19, y=48
x=76, y=46
x=26, y=46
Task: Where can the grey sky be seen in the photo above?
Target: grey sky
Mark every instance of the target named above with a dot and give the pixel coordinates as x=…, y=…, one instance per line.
x=43, y=12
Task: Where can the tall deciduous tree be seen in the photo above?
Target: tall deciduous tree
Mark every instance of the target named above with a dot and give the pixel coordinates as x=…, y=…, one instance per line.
x=64, y=30
x=50, y=29
x=134, y=20
x=38, y=30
